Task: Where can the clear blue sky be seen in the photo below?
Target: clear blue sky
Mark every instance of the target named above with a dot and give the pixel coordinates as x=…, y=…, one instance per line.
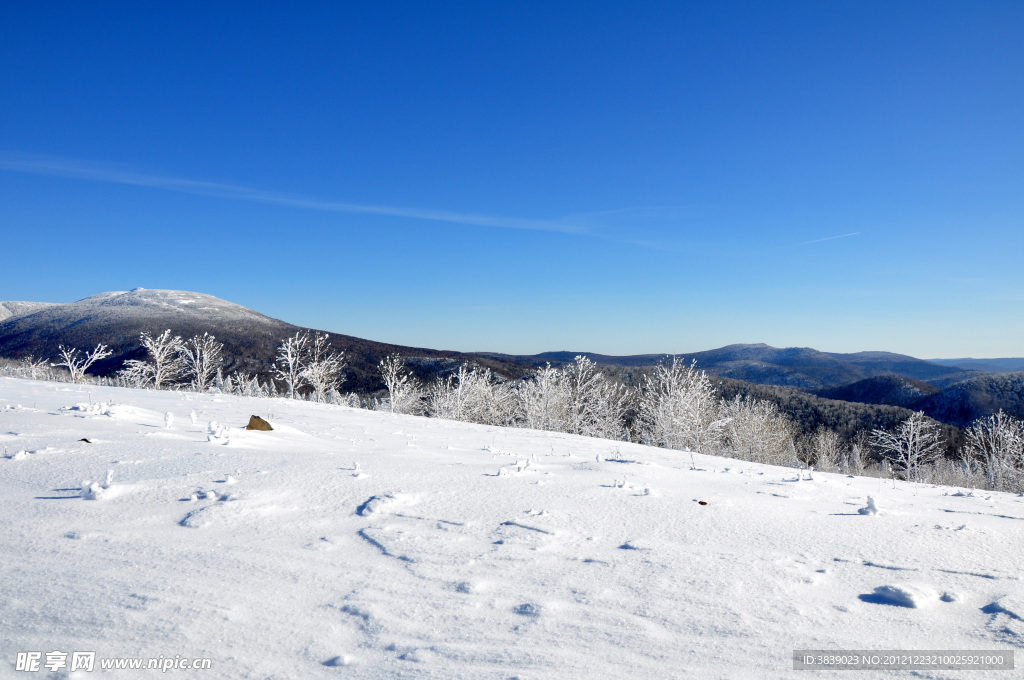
x=522, y=177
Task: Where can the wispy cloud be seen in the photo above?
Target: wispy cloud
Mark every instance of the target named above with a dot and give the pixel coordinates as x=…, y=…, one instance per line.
x=828, y=238
x=113, y=174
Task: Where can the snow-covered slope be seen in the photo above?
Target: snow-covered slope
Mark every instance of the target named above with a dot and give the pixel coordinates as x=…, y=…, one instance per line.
x=140, y=303
x=351, y=543
x=117, y=318
x=12, y=309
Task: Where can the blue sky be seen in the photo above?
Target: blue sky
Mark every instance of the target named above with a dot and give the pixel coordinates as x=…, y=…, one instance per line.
x=526, y=177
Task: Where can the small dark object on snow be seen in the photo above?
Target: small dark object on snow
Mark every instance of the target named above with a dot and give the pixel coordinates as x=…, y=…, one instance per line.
x=83, y=439
x=257, y=423
x=702, y=502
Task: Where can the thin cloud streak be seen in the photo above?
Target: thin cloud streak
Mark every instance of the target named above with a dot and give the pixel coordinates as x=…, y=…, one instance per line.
x=829, y=238
x=113, y=175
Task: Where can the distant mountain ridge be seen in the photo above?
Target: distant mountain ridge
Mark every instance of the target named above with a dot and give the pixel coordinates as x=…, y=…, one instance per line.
x=945, y=390
x=801, y=367
x=1008, y=365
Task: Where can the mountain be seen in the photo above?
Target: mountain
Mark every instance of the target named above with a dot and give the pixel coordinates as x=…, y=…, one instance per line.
x=892, y=390
x=11, y=310
x=801, y=367
x=1008, y=365
x=250, y=338
x=958, y=404
x=882, y=363
x=963, y=402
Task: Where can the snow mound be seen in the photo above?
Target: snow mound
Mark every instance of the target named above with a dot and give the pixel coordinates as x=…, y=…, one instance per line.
x=127, y=412
x=911, y=595
x=282, y=436
x=870, y=509
x=92, y=491
x=114, y=411
x=83, y=407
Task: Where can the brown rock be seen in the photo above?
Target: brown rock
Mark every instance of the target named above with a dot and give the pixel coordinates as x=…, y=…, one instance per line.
x=257, y=423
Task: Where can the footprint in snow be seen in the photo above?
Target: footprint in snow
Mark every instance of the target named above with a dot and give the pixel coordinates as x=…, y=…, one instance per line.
x=469, y=587
x=322, y=544
x=387, y=502
x=340, y=660
x=527, y=609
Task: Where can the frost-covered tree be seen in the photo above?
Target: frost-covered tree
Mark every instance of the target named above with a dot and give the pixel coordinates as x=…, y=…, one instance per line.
x=472, y=395
x=201, y=357
x=243, y=384
x=164, y=365
x=678, y=408
x=916, y=442
x=135, y=374
x=997, y=442
x=447, y=397
x=72, y=359
x=610, y=411
x=543, y=400
x=582, y=388
x=403, y=389
x=755, y=430
x=322, y=368
x=36, y=368
x=852, y=460
x=593, y=405
x=827, y=451
x=165, y=356
x=290, y=362
x=490, y=401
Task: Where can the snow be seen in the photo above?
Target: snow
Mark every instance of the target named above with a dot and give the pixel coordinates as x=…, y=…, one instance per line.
x=359, y=544
x=870, y=508
x=133, y=306
x=12, y=310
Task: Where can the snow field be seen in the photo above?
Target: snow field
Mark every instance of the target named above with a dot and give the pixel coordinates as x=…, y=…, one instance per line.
x=350, y=543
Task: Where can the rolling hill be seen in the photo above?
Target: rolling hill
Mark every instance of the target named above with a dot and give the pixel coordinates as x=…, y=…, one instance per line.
x=963, y=402
x=891, y=389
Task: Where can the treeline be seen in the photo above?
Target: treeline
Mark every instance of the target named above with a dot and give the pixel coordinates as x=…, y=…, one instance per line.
x=676, y=406
x=672, y=405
